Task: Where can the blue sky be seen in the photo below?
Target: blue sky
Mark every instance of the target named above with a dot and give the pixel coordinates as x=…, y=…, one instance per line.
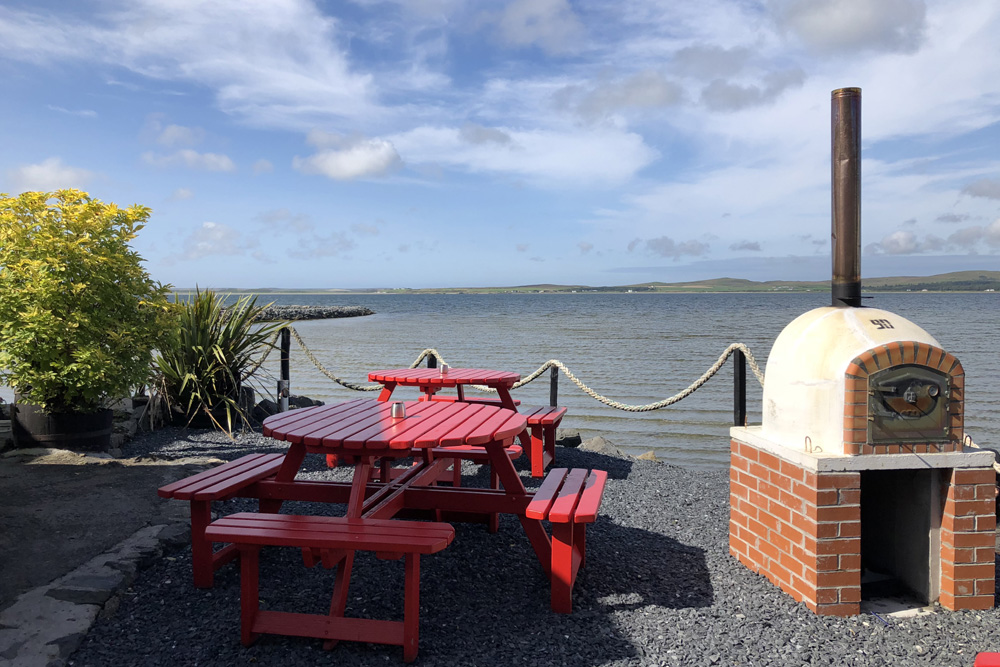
x=422, y=143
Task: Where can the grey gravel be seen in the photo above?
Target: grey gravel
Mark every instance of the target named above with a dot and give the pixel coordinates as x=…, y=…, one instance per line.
x=659, y=589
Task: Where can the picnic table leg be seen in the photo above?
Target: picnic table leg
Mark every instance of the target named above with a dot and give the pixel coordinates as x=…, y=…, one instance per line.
x=512, y=485
x=537, y=452
x=286, y=473
x=341, y=583
x=249, y=592
x=359, y=485
x=386, y=392
x=201, y=549
x=411, y=608
x=566, y=560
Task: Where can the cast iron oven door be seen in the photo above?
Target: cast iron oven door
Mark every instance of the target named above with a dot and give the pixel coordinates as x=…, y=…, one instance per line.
x=908, y=404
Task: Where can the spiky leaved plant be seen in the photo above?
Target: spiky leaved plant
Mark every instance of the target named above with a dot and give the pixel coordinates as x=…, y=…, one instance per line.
x=203, y=365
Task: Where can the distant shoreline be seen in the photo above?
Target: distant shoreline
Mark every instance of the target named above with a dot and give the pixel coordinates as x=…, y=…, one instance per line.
x=429, y=291
x=959, y=281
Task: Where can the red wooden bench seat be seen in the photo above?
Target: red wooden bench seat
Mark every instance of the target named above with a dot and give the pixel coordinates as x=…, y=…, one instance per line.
x=569, y=500
x=542, y=422
x=219, y=483
x=387, y=538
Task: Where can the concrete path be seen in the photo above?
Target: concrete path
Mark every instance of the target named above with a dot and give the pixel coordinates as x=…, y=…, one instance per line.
x=75, y=530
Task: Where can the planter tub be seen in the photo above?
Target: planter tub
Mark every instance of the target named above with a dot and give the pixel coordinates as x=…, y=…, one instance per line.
x=87, y=432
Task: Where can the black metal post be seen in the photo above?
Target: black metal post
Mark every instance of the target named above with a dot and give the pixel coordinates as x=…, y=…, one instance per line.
x=739, y=389
x=553, y=386
x=284, y=384
x=432, y=361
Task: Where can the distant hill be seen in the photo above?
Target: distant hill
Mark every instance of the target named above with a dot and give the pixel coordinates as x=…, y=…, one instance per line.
x=959, y=281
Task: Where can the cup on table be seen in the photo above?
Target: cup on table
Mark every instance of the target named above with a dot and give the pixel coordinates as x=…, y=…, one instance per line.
x=444, y=369
x=398, y=410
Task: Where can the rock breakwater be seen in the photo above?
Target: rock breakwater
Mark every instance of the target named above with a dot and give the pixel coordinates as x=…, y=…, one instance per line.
x=292, y=313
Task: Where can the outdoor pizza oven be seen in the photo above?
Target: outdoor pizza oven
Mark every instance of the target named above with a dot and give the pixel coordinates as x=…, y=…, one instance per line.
x=857, y=483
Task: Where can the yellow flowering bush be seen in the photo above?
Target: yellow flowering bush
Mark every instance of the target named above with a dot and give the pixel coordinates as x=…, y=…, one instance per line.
x=79, y=315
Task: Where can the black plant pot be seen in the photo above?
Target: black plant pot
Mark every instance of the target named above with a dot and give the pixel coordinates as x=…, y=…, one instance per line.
x=78, y=431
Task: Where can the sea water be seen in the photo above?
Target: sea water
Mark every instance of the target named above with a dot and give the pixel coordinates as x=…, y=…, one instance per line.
x=635, y=349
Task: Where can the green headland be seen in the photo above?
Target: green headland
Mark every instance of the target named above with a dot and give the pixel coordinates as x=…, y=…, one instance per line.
x=960, y=281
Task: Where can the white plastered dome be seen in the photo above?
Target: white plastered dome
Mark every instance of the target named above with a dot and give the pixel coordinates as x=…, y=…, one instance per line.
x=804, y=380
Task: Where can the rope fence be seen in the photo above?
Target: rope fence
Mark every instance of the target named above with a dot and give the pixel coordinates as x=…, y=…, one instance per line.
x=735, y=348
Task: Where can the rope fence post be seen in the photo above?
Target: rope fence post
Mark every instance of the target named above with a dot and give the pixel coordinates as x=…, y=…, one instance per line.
x=432, y=361
x=739, y=388
x=553, y=386
x=284, y=384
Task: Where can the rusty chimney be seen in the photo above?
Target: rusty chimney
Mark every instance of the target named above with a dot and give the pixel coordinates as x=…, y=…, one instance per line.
x=846, y=204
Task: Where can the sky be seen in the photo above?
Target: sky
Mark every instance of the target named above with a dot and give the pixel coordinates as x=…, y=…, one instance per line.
x=433, y=143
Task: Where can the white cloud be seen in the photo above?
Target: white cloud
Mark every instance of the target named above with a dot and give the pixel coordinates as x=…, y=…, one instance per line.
x=180, y=194
x=854, y=25
x=212, y=238
x=665, y=246
x=347, y=158
x=952, y=217
x=992, y=234
x=722, y=95
x=583, y=158
x=648, y=89
x=752, y=246
x=971, y=240
x=521, y=247
x=477, y=134
x=83, y=113
x=178, y=135
x=262, y=166
x=364, y=229
x=549, y=24
x=284, y=219
x=709, y=61
x=585, y=247
x=984, y=187
x=318, y=247
x=49, y=174
x=297, y=67
x=191, y=159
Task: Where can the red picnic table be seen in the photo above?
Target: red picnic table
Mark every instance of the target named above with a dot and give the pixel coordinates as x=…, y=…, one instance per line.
x=365, y=433
x=542, y=420
x=432, y=380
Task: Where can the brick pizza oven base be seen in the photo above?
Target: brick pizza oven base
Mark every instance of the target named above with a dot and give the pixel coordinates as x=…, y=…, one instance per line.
x=796, y=518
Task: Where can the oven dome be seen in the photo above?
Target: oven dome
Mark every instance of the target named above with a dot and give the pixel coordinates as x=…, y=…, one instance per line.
x=804, y=378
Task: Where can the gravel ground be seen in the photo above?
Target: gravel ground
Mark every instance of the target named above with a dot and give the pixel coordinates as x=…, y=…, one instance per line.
x=659, y=589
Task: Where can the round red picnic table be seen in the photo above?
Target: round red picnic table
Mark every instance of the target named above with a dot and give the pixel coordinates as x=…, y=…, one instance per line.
x=432, y=380
x=363, y=430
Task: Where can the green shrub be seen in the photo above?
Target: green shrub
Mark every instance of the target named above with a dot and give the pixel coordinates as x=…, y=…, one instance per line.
x=203, y=365
x=79, y=315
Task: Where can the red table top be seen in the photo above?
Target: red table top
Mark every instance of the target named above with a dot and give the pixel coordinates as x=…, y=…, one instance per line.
x=432, y=377
x=364, y=424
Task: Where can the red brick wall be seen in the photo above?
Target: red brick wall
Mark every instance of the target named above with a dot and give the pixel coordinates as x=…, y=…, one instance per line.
x=802, y=530
x=799, y=529
x=968, y=537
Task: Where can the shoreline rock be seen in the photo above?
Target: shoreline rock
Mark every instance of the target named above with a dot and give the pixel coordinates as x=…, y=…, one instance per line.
x=294, y=313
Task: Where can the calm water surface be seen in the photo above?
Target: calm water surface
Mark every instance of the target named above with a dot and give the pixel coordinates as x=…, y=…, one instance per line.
x=633, y=348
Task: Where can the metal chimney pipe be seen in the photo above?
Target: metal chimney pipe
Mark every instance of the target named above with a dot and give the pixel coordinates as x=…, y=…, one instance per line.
x=846, y=201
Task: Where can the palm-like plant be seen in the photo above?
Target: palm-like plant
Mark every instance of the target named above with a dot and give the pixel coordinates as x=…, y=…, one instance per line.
x=202, y=367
